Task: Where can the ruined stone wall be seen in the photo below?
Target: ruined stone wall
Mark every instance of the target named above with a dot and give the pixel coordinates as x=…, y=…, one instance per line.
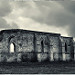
x=33, y=46
x=42, y=46
x=54, y=48
x=51, y=47
x=67, y=48
x=23, y=42
x=74, y=50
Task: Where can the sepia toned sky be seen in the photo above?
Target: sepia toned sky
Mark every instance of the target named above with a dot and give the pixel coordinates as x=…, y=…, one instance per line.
x=45, y=16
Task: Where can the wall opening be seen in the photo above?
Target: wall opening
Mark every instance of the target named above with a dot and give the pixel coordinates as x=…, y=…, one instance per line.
x=42, y=46
x=12, y=48
x=64, y=57
x=64, y=54
x=65, y=47
x=52, y=56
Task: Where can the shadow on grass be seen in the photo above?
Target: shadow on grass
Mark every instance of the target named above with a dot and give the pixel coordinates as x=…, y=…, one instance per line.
x=37, y=67
x=36, y=63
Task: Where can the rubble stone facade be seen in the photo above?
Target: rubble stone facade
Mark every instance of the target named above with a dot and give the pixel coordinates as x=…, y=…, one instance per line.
x=17, y=45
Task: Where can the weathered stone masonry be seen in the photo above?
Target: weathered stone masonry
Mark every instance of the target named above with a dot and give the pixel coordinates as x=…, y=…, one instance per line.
x=34, y=46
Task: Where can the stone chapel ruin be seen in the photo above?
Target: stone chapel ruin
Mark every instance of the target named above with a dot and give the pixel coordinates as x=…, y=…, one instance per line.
x=17, y=45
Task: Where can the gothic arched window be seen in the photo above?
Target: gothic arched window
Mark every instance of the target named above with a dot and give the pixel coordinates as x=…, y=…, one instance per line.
x=42, y=46
x=65, y=47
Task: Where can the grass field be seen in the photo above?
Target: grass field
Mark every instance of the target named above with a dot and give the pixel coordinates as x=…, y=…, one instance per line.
x=38, y=68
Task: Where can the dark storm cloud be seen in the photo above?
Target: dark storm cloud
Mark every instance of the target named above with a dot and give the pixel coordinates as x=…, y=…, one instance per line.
x=66, y=17
x=5, y=9
x=61, y=15
x=69, y=6
x=71, y=30
x=51, y=13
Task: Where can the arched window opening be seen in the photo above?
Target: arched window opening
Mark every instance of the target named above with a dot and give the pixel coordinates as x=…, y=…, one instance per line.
x=42, y=46
x=65, y=47
x=12, y=48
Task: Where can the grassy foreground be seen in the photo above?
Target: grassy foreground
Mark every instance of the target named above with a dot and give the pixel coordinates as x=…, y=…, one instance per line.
x=38, y=68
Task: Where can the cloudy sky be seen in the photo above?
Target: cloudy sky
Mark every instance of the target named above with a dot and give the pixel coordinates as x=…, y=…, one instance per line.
x=47, y=16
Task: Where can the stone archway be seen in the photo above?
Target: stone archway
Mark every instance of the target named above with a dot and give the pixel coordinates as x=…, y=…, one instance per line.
x=11, y=44
x=12, y=57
